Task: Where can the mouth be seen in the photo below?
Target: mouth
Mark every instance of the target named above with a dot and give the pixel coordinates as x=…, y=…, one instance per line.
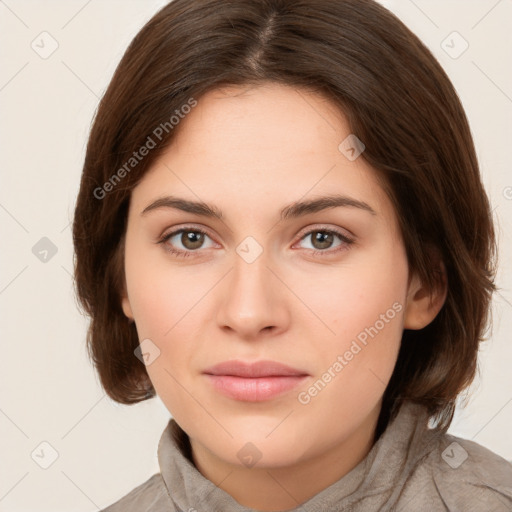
x=254, y=382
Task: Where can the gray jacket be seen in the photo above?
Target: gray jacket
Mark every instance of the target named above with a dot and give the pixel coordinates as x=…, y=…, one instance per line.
x=410, y=468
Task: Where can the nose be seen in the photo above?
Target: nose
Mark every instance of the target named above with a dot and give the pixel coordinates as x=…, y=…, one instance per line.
x=254, y=301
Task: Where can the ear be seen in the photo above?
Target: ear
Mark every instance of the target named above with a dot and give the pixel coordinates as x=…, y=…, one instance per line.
x=423, y=305
x=119, y=266
x=127, y=309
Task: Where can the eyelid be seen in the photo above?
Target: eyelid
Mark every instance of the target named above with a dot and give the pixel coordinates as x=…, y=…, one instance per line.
x=325, y=227
x=186, y=227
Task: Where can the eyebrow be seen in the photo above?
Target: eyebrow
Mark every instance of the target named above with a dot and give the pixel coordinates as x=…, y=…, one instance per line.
x=291, y=211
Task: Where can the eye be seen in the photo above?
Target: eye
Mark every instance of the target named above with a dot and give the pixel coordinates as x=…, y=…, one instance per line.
x=323, y=239
x=190, y=238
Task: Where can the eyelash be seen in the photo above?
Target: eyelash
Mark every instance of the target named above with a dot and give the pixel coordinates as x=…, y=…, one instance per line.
x=347, y=241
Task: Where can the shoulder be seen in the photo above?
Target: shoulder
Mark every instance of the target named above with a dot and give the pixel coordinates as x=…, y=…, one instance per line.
x=151, y=496
x=464, y=475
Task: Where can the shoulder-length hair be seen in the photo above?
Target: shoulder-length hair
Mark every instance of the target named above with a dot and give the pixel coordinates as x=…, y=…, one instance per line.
x=396, y=98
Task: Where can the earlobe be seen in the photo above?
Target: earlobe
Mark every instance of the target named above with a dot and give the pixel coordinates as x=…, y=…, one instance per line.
x=423, y=305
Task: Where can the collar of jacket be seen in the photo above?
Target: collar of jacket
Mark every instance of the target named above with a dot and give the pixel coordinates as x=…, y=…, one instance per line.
x=380, y=473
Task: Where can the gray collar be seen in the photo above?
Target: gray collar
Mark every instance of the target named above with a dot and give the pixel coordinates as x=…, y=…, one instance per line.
x=404, y=442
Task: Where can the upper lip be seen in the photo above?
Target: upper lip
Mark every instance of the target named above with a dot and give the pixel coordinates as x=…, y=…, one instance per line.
x=256, y=369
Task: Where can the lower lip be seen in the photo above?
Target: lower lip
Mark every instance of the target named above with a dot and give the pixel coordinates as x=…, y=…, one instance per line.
x=254, y=389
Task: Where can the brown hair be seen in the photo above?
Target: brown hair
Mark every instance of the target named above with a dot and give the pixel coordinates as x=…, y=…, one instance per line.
x=397, y=100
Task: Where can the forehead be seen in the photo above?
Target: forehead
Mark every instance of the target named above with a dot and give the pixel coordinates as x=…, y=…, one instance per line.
x=250, y=148
x=266, y=118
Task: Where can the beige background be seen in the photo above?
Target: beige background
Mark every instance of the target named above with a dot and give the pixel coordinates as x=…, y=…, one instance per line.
x=49, y=392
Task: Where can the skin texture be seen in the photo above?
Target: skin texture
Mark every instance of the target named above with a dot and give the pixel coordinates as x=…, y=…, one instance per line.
x=250, y=152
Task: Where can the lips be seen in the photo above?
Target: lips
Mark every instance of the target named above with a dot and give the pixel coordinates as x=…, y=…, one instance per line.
x=254, y=382
x=254, y=370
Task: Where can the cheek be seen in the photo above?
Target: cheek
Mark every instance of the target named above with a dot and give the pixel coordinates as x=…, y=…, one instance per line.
x=363, y=308
x=159, y=294
x=352, y=297
x=166, y=303
x=163, y=307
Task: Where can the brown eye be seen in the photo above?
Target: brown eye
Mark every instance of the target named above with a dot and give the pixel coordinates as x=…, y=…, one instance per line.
x=192, y=239
x=185, y=241
x=322, y=239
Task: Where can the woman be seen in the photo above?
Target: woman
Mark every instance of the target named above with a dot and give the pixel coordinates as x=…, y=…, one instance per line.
x=281, y=230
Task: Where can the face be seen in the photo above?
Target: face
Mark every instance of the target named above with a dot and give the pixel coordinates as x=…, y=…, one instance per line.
x=322, y=290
